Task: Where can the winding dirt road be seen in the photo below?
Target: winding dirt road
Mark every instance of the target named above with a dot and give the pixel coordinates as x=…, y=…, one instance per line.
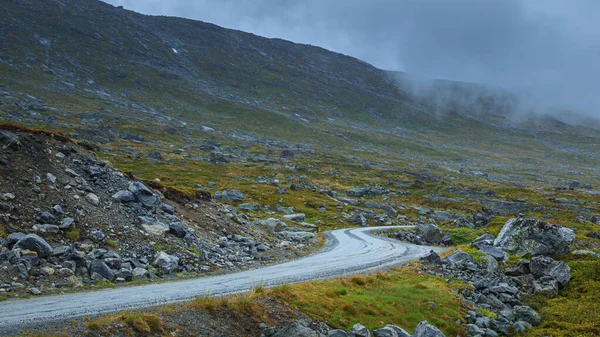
x=348, y=251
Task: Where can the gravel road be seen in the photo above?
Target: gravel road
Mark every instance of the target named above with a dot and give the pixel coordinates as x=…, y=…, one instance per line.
x=348, y=251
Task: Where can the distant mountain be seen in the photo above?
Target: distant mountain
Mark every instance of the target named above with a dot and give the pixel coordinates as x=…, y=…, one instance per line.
x=105, y=73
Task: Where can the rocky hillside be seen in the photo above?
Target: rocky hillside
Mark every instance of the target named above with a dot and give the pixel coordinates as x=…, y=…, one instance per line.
x=106, y=74
x=69, y=219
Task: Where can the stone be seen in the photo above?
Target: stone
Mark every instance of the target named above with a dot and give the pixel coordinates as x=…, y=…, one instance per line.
x=424, y=329
x=35, y=291
x=100, y=268
x=249, y=206
x=35, y=243
x=494, y=252
x=51, y=178
x=544, y=266
x=261, y=247
x=527, y=237
x=139, y=273
x=47, y=218
x=526, y=314
x=398, y=330
x=229, y=196
x=46, y=229
x=431, y=233
x=348, y=201
x=274, y=225
x=459, y=258
x=92, y=199
x=95, y=171
x=176, y=229
x=167, y=263
x=61, y=250
x=297, y=236
x=298, y=217
x=123, y=196
x=66, y=223
x=336, y=333
x=143, y=194
x=71, y=173
x=153, y=226
x=167, y=208
x=431, y=257
x=97, y=235
x=359, y=330
x=13, y=238
x=359, y=220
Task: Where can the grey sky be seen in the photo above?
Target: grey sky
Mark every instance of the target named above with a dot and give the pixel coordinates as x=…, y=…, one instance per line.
x=548, y=49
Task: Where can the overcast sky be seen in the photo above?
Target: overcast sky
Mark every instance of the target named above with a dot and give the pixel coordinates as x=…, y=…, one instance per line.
x=549, y=49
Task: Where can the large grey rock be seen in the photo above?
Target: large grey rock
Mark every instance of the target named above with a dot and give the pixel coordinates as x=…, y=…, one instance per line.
x=297, y=236
x=431, y=233
x=359, y=330
x=102, y=269
x=295, y=329
x=167, y=263
x=459, y=258
x=526, y=314
x=298, y=217
x=431, y=257
x=35, y=243
x=230, y=195
x=544, y=266
x=398, y=330
x=143, y=194
x=274, y=225
x=123, y=196
x=153, y=226
x=359, y=220
x=249, y=206
x=527, y=236
x=337, y=333
x=176, y=229
x=424, y=329
x=494, y=252
x=13, y=238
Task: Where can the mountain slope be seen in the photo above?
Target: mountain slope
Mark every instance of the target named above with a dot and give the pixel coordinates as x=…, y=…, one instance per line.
x=107, y=74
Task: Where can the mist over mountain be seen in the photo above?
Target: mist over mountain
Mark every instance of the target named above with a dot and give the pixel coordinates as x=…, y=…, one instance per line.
x=545, y=53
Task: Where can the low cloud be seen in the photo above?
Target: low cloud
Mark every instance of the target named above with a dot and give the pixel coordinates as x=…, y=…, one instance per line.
x=545, y=51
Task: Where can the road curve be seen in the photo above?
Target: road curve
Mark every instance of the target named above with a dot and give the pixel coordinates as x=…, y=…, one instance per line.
x=348, y=251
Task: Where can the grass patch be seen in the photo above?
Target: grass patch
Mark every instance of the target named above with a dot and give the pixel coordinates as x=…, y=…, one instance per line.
x=135, y=322
x=73, y=235
x=401, y=296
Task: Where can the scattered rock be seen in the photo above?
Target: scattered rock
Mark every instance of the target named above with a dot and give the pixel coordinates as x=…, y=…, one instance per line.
x=527, y=236
x=229, y=196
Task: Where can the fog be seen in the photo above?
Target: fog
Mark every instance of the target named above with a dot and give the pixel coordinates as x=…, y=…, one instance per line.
x=546, y=51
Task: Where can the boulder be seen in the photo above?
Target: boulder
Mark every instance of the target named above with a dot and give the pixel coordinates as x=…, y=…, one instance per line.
x=176, y=229
x=526, y=314
x=431, y=257
x=35, y=243
x=249, y=206
x=100, y=268
x=296, y=329
x=298, y=217
x=274, y=225
x=92, y=199
x=336, y=333
x=123, y=196
x=167, y=263
x=527, y=236
x=153, y=226
x=424, y=329
x=359, y=330
x=143, y=194
x=431, y=233
x=359, y=220
x=13, y=238
x=297, y=236
x=544, y=266
x=398, y=330
x=230, y=196
x=459, y=258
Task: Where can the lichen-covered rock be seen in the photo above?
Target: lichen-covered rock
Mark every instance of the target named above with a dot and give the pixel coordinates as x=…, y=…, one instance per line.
x=527, y=236
x=230, y=195
x=424, y=329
